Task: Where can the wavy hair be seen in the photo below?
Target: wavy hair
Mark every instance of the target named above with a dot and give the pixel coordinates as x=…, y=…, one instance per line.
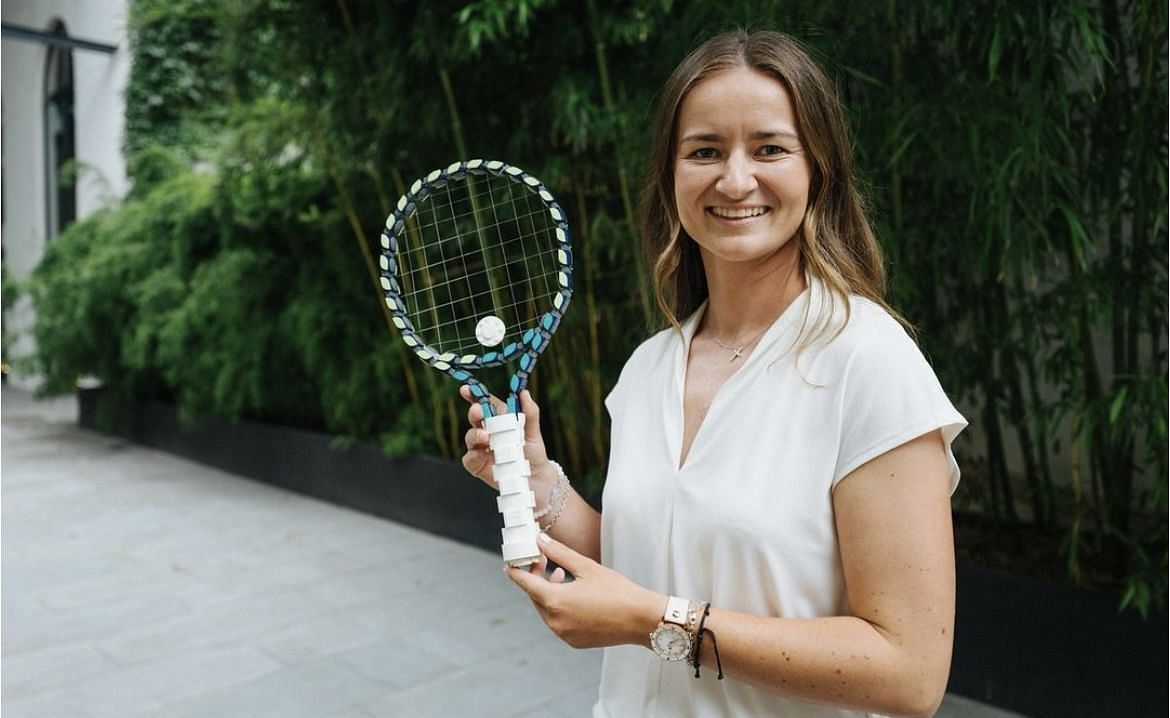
x=837, y=245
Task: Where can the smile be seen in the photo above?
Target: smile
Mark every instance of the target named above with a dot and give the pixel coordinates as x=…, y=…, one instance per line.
x=737, y=212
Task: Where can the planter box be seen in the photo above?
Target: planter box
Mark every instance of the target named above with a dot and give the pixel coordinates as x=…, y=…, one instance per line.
x=432, y=494
x=1043, y=649
x=1033, y=647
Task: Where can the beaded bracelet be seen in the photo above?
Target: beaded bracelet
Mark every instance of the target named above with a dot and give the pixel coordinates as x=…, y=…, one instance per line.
x=560, y=487
x=559, y=494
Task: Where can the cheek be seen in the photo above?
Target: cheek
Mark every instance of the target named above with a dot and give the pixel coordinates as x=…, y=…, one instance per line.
x=797, y=189
x=685, y=195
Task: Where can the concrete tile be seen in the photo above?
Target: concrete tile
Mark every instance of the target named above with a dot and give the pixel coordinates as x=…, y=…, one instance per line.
x=38, y=670
x=317, y=690
x=509, y=684
x=330, y=632
x=396, y=662
x=238, y=624
x=143, y=689
x=470, y=636
x=95, y=621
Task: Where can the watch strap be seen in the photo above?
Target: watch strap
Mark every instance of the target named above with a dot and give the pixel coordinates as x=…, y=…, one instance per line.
x=677, y=611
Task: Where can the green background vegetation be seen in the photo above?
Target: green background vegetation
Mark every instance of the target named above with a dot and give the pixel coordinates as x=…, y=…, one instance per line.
x=1015, y=154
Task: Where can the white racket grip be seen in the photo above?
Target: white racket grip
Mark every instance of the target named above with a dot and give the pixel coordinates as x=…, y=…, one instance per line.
x=511, y=471
x=512, y=484
x=508, y=454
x=516, y=500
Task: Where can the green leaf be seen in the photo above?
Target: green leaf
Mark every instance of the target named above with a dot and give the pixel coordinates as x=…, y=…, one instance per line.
x=1117, y=405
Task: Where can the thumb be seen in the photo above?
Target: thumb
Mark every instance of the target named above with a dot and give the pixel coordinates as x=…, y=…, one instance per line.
x=531, y=417
x=564, y=556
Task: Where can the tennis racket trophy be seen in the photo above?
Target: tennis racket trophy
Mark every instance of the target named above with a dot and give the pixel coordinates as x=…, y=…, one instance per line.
x=477, y=267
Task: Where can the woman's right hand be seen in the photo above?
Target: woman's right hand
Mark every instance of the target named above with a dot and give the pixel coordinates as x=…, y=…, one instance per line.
x=478, y=459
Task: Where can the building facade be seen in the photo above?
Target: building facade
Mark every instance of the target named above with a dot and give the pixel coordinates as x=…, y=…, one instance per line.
x=65, y=67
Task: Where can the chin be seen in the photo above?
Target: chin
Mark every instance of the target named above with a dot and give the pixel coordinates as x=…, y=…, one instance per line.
x=744, y=250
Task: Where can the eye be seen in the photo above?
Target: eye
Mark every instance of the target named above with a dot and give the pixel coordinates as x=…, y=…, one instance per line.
x=772, y=150
x=705, y=153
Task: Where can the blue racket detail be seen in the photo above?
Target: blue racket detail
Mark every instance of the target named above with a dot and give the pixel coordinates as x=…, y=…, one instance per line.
x=477, y=239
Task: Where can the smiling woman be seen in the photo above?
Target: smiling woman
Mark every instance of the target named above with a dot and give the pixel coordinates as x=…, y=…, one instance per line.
x=777, y=503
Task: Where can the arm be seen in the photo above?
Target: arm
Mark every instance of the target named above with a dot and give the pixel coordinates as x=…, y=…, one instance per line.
x=890, y=655
x=579, y=525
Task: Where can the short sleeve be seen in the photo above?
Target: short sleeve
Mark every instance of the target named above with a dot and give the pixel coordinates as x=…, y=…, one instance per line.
x=890, y=395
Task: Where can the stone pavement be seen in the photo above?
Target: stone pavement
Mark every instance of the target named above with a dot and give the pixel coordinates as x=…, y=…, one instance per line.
x=139, y=584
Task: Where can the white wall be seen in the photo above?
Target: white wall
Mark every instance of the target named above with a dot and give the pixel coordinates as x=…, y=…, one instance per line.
x=99, y=85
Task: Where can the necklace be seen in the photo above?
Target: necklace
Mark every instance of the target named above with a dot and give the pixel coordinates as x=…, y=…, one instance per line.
x=737, y=351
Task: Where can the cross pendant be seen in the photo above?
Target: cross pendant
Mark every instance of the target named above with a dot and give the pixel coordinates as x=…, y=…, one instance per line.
x=736, y=354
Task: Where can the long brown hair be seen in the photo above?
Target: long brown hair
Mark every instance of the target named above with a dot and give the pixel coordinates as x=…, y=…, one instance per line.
x=837, y=243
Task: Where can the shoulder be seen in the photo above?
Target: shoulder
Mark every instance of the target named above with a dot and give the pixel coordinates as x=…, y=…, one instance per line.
x=858, y=329
x=650, y=358
x=869, y=325
x=652, y=353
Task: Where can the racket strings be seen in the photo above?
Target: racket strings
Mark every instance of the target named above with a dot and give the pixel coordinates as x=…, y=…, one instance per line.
x=476, y=247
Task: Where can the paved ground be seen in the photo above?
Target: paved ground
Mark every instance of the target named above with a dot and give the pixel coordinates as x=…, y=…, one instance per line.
x=138, y=584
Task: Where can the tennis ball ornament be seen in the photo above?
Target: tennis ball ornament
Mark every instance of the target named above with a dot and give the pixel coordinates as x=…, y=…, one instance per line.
x=490, y=331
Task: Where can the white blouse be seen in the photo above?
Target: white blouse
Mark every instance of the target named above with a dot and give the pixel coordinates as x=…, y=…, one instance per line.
x=747, y=521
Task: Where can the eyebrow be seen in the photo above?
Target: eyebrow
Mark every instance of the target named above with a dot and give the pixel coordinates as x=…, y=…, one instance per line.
x=756, y=136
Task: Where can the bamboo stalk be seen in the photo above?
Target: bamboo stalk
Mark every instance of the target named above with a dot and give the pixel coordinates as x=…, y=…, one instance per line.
x=623, y=179
x=355, y=224
x=594, y=374
x=345, y=17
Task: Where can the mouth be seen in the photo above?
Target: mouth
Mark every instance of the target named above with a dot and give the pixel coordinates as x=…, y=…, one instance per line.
x=738, y=212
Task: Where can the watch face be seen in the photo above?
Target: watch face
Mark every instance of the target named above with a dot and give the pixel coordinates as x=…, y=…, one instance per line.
x=670, y=642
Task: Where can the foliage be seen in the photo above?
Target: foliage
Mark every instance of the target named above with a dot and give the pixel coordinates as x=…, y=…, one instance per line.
x=1016, y=154
x=173, y=95
x=9, y=294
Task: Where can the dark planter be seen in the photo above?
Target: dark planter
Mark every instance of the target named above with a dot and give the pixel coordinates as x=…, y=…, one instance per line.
x=1043, y=649
x=1030, y=646
x=432, y=494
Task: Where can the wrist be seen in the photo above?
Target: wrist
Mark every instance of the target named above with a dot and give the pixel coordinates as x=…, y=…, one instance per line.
x=543, y=479
x=645, y=614
x=555, y=502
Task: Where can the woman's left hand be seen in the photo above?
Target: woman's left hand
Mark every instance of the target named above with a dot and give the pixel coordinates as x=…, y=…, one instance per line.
x=599, y=607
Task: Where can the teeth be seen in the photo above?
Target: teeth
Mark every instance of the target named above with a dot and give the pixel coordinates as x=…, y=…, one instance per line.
x=729, y=213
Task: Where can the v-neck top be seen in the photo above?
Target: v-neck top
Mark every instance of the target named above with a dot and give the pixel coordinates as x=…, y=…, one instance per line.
x=747, y=521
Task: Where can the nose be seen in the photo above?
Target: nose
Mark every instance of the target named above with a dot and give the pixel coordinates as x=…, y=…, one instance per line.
x=738, y=179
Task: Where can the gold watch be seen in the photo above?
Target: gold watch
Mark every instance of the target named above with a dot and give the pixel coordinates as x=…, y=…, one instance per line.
x=674, y=637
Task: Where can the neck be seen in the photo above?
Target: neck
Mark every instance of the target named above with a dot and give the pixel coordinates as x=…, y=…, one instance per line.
x=746, y=298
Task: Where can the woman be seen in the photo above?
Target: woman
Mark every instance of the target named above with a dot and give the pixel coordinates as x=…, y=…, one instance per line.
x=777, y=505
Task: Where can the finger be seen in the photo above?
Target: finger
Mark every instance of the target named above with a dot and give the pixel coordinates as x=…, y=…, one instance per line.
x=557, y=576
x=540, y=567
x=531, y=416
x=562, y=555
x=476, y=440
x=475, y=415
x=475, y=411
x=530, y=583
x=477, y=464
x=498, y=405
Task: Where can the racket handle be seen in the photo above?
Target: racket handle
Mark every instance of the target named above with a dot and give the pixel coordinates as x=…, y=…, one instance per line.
x=511, y=471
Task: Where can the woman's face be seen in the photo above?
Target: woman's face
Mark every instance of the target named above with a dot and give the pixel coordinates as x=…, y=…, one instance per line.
x=741, y=178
